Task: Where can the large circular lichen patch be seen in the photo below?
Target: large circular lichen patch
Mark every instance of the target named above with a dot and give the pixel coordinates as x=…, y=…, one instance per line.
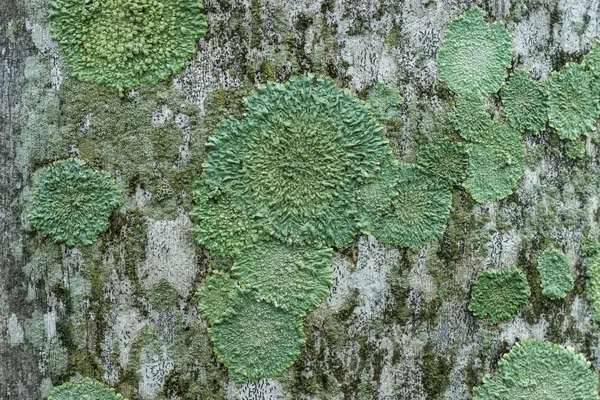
x=84, y=388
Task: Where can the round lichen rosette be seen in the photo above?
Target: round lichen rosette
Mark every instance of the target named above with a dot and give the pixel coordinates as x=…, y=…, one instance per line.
x=498, y=294
x=524, y=103
x=474, y=55
x=418, y=212
x=213, y=296
x=470, y=118
x=293, y=277
x=540, y=371
x=381, y=100
x=445, y=163
x=255, y=338
x=555, y=273
x=123, y=43
x=296, y=157
x=83, y=389
x=573, y=101
x=72, y=202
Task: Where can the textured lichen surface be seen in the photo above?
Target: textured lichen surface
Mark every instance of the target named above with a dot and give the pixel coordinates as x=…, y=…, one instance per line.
x=470, y=118
x=573, y=101
x=474, y=55
x=213, y=296
x=555, y=273
x=592, y=60
x=498, y=294
x=524, y=103
x=295, y=278
x=72, y=202
x=445, y=163
x=295, y=157
x=122, y=43
x=382, y=100
x=544, y=371
x=84, y=389
x=592, y=287
x=257, y=339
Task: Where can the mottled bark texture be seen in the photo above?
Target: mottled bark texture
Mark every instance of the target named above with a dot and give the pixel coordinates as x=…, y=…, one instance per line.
x=396, y=325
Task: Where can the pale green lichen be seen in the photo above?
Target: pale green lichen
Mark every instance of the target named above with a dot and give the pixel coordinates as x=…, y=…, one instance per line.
x=295, y=157
x=123, y=43
x=257, y=339
x=418, y=212
x=555, y=273
x=474, y=55
x=496, y=165
x=540, y=371
x=293, y=277
x=592, y=60
x=573, y=101
x=214, y=295
x=524, y=103
x=86, y=388
x=575, y=149
x=498, y=294
x=470, y=118
x=445, y=163
x=592, y=286
x=381, y=100
x=72, y=202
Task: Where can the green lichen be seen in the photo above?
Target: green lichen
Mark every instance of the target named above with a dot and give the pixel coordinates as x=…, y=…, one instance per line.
x=470, y=118
x=72, y=202
x=123, y=43
x=295, y=278
x=524, y=102
x=445, y=163
x=498, y=294
x=257, y=339
x=555, y=273
x=418, y=212
x=86, y=388
x=474, y=55
x=496, y=165
x=214, y=296
x=575, y=149
x=592, y=60
x=573, y=103
x=541, y=371
x=592, y=287
x=381, y=100
x=295, y=158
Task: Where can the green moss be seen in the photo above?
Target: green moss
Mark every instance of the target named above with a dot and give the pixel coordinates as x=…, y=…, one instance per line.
x=470, y=118
x=84, y=389
x=163, y=296
x=381, y=100
x=524, y=102
x=436, y=373
x=474, y=55
x=257, y=339
x=575, y=149
x=555, y=273
x=590, y=246
x=445, y=163
x=592, y=287
x=72, y=202
x=544, y=371
x=573, y=101
x=295, y=278
x=122, y=44
x=295, y=157
x=214, y=296
x=498, y=294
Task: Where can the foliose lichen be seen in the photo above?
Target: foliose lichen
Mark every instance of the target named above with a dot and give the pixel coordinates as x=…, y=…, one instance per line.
x=72, y=202
x=592, y=60
x=524, y=103
x=123, y=43
x=541, y=371
x=257, y=339
x=295, y=158
x=84, y=388
x=474, y=55
x=573, y=101
x=555, y=273
x=381, y=100
x=445, y=163
x=592, y=286
x=213, y=296
x=498, y=294
x=293, y=277
x=470, y=118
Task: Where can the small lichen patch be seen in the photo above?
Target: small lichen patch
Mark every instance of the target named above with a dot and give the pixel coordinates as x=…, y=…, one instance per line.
x=555, y=274
x=381, y=100
x=592, y=60
x=124, y=43
x=86, y=388
x=72, y=202
x=592, y=287
x=541, y=371
x=257, y=339
x=474, y=55
x=214, y=295
x=573, y=101
x=470, y=118
x=296, y=278
x=445, y=163
x=498, y=294
x=524, y=102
